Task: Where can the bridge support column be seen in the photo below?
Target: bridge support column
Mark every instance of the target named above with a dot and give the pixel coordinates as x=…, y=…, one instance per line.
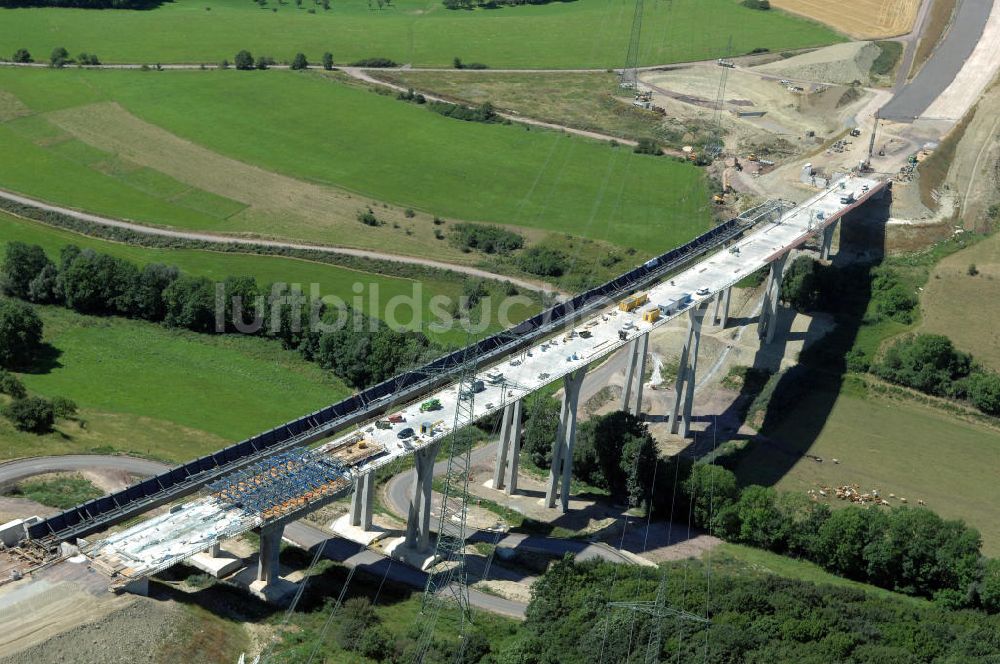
x=505, y=472
x=721, y=315
x=638, y=348
x=362, y=501
x=562, y=446
x=270, y=546
x=769, y=310
x=418, y=522
x=827, y=241
x=686, y=370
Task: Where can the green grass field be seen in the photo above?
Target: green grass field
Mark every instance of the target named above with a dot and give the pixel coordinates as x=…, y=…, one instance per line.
x=331, y=280
x=320, y=151
x=126, y=375
x=585, y=33
x=894, y=445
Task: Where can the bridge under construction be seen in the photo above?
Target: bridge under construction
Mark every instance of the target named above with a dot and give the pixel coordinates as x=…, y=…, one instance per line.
x=269, y=480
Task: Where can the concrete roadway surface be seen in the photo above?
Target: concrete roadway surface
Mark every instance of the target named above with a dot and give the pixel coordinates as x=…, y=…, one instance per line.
x=910, y=102
x=300, y=533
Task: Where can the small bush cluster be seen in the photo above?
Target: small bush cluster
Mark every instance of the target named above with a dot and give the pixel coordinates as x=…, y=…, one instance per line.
x=543, y=261
x=484, y=238
x=482, y=113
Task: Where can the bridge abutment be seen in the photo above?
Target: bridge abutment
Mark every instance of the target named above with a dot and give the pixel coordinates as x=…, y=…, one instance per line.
x=562, y=446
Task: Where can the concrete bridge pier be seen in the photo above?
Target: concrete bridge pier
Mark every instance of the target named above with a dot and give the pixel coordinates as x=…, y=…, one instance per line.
x=772, y=290
x=505, y=471
x=638, y=348
x=362, y=501
x=720, y=316
x=680, y=416
x=418, y=521
x=562, y=446
x=827, y=241
x=267, y=561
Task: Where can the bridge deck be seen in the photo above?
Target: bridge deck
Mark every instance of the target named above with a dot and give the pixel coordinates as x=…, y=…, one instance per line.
x=196, y=525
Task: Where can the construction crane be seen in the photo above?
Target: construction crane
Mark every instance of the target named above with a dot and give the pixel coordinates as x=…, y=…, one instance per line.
x=629, y=77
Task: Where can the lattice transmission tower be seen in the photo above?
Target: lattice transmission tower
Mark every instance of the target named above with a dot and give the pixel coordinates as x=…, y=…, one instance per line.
x=629, y=77
x=449, y=579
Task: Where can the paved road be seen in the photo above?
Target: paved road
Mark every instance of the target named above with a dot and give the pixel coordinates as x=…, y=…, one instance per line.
x=944, y=64
x=301, y=533
x=400, y=486
x=540, y=287
x=13, y=471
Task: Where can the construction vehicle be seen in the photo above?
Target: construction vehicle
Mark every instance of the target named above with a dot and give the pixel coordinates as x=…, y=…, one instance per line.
x=753, y=157
x=396, y=418
x=430, y=404
x=856, y=132
x=633, y=302
x=651, y=315
x=726, y=63
x=494, y=378
x=718, y=199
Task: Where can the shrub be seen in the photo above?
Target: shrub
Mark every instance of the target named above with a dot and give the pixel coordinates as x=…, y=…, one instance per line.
x=926, y=362
x=11, y=385
x=757, y=4
x=482, y=113
x=264, y=62
x=972, y=270
x=31, y=414
x=368, y=218
x=328, y=61
x=22, y=55
x=647, y=146
x=375, y=63
x=543, y=261
x=299, y=62
x=63, y=408
x=984, y=392
x=409, y=213
x=487, y=239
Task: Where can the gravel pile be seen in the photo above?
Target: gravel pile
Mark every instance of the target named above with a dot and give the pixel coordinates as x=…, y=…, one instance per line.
x=121, y=637
x=840, y=63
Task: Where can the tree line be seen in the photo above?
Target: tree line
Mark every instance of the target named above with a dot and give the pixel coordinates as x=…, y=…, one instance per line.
x=926, y=362
x=361, y=352
x=904, y=549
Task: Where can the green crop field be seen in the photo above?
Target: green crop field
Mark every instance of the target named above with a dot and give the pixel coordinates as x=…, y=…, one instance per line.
x=585, y=33
x=896, y=446
x=319, y=147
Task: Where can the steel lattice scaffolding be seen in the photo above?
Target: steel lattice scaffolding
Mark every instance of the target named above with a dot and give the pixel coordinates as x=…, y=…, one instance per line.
x=282, y=483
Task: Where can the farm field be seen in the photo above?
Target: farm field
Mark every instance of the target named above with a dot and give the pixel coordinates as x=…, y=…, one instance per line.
x=961, y=306
x=893, y=445
x=139, y=385
x=88, y=136
x=585, y=33
x=861, y=19
x=331, y=280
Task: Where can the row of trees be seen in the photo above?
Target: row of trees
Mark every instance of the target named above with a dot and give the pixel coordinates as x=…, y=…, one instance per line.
x=913, y=551
x=361, y=351
x=84, y=4
x=245, y=61
x=930, y=363
x=59, y=57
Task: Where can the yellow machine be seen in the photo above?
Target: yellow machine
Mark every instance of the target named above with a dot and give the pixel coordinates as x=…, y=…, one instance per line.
x=651, y=315
x=633, y=302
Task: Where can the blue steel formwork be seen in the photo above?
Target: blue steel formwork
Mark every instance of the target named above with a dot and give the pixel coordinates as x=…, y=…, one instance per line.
x=282, y=483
